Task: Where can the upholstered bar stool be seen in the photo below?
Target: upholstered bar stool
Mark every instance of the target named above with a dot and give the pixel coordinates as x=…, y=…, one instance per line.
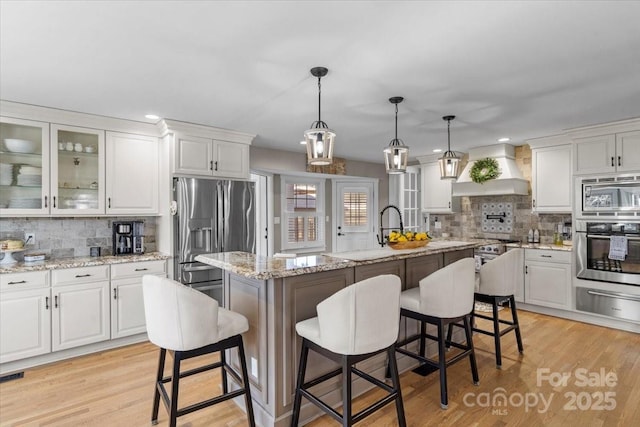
x=188, y=323
x=354, y=324
x=498, y=279
x=443, y=297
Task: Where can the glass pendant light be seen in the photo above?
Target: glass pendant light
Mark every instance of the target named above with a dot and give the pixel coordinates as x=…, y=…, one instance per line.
x=449, y=162
x=396, y=154
x=319, y=138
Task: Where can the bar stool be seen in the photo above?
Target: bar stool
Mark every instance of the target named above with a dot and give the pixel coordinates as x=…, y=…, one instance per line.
x=188, y=323
x=498, y=279
x=354, y=324
x=443, y=297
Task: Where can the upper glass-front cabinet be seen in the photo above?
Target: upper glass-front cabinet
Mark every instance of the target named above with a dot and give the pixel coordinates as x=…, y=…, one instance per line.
x=77, y=170
x=24, y=167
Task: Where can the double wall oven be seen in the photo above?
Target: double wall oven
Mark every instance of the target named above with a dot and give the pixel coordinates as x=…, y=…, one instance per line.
x=608, y=252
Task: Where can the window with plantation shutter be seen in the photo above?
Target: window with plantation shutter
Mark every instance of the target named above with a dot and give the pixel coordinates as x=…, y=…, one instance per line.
x=302, y=213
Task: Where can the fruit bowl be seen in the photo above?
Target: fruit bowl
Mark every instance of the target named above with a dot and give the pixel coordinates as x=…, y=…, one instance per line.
x=410, y=244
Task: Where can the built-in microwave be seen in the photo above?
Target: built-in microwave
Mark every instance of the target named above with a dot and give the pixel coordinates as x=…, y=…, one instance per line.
x=610, y=196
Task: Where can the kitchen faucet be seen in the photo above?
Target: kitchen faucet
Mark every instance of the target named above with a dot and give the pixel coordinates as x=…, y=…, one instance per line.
x=380, y=236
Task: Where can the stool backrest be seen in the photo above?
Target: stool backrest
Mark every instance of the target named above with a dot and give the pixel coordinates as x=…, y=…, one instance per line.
x=448, y=292
x=361, y=318
x=500, y=275
x=178, y=317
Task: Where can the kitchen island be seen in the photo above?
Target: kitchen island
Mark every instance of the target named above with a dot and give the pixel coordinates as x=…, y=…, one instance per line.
x=276, y=293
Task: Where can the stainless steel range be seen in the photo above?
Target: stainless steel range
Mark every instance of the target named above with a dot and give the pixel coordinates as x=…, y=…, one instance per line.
x=485, y=253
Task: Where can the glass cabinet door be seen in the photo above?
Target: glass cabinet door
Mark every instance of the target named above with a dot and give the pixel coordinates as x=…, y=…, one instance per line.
x=77, y=170
x=24, y=167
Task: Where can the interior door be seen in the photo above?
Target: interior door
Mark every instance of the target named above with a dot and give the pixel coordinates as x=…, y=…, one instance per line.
x=354, y=208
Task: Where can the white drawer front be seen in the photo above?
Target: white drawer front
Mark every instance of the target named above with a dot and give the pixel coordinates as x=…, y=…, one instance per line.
x=547, y=255
x=27, y=280
x=136, y=269
x=71, y=276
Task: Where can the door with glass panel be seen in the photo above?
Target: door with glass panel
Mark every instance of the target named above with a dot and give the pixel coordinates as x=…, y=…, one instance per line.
x=77, y=170
x=24, y=167
x=354, y=219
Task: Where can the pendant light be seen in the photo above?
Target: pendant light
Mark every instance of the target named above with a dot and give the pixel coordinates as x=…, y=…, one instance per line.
x=396, y=154
x=449, y=162
x=319, y=138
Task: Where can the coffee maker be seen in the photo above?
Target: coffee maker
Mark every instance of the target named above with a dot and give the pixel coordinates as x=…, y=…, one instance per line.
x=128, y=237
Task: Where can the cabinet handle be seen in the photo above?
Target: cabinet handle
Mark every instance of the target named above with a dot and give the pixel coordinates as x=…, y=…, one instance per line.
x=449, y=205
x=545, y=256
x=109, y=202
x=526, y=269
x=216, y=163
x=46, y=303
x=612, y=164
x=534, y=202
x=45, y=202
x=17, y=283
x=115, y=293
x=54, y=201
x=55, y=301
x=83, y=275
x=619, y=161
x=211, y=165
x=141, y=269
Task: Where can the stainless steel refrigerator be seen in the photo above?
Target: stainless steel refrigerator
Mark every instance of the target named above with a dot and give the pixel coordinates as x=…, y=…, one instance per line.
x=212, y=216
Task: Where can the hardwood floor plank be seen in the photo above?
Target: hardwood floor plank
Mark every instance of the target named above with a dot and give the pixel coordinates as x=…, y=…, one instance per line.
x=115, y=388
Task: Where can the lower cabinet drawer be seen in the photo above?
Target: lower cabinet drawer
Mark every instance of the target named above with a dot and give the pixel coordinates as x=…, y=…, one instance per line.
x=26, y=280
x=135, y=269
x=72, y=276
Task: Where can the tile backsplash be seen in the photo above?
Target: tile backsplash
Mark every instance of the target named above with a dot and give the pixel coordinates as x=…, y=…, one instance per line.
x=72, y=237
x=469, y=222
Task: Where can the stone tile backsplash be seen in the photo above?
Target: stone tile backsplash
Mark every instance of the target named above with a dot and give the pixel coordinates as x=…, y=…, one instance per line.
x=468, y=222
x=72, y=237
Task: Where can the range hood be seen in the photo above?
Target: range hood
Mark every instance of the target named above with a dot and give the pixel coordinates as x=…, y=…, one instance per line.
x=509, y=182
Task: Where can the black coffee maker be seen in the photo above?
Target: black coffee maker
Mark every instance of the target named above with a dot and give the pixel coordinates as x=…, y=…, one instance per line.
x=128, y=237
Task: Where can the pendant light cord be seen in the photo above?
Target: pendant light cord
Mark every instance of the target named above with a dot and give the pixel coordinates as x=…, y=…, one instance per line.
x=449, y=136
x=396, y=121
x=319, y=92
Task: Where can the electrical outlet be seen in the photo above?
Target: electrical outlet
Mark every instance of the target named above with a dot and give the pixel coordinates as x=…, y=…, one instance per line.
x=254, y=367
x=30, y=238
x=437, y=225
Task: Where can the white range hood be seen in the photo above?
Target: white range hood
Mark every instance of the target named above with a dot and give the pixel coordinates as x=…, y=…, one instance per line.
x=509, y=182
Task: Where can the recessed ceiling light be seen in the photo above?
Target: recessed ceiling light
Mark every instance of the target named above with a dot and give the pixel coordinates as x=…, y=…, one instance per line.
x=505, y=139
x=152, y=117
x=303, y=142
x=437, y=150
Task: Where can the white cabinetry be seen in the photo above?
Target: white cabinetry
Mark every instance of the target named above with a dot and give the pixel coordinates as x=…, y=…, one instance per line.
x=203, y=156
x=547, y=279
x=436, y=192
x=24, y=167
x=132, y=174
x=77, y=170
x=127, y=304
x=608, y=153
x=551, y=175
x=80, y=306
x=25, y=319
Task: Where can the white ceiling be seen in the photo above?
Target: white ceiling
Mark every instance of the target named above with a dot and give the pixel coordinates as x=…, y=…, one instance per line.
x=517, y=69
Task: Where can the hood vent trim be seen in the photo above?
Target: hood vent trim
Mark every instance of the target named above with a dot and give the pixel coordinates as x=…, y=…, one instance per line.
x=510, y=181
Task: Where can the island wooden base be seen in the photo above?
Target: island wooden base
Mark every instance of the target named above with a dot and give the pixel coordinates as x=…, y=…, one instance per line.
x=274, y=306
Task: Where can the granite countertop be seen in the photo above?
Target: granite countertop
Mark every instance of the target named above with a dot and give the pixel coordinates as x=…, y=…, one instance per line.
x=52, y=264
x=263, y=268
x=549, y=247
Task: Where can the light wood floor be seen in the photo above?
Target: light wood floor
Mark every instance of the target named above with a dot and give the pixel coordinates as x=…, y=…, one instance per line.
x=114, y=388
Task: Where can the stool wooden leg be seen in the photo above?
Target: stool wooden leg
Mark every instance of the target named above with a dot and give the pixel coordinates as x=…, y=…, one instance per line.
x=442, y=365
x=175, y=382
x=302, y=367
x=346, y=392
x=496, y=333
x=156, y=394
x=514, y=314
x=245, y=380
x=395, y=380
x=472, y=354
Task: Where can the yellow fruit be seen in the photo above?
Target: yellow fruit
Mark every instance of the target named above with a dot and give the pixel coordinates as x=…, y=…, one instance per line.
x=402, y=239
